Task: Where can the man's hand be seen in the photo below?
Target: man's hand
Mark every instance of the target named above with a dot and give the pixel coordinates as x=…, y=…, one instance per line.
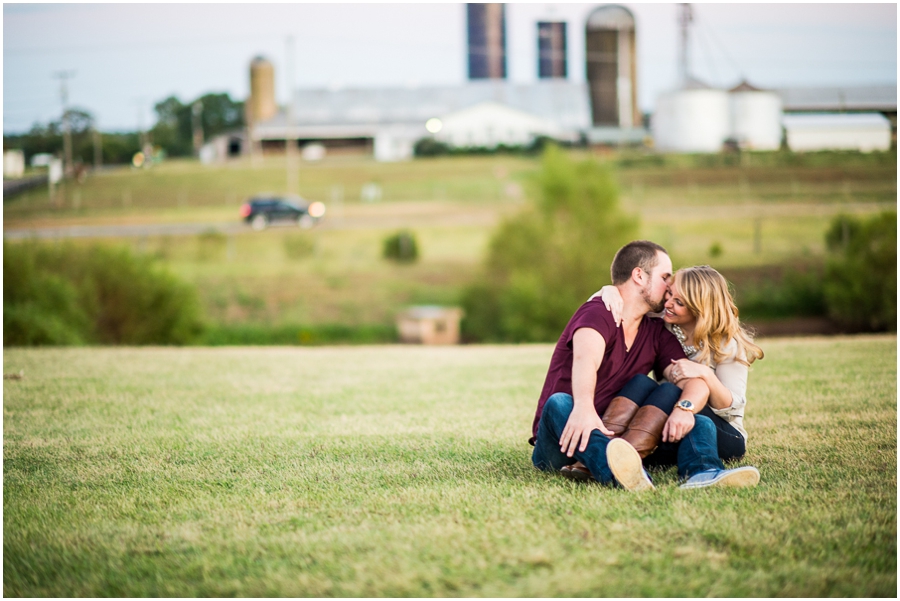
x=578, y=428
x=678, y=425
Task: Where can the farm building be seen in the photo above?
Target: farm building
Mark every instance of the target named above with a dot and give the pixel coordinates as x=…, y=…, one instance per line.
x=388, y=121
x=849, y=131
x=490, y=124
x=487, y=109
x=429, y=324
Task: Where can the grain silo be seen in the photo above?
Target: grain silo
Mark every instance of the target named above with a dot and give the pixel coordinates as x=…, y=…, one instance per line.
x=755, y=117
x=612, y=67
x=696, y=118
x=486, y=24
x=262, y=106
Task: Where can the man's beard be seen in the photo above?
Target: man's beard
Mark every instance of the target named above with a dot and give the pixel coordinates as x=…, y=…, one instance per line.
x=655, y=306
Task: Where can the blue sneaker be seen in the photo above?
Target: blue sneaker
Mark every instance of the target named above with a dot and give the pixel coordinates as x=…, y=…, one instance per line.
x=739, y=477
x=625, y=464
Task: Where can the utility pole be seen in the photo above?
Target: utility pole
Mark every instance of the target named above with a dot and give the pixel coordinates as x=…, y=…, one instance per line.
x=143, y=138
x=63, y=77
x=290, y=142
x=685, y=19
x=197, y=123
x=140, y=122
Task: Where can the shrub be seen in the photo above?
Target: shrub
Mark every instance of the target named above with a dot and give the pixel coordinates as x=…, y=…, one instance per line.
x=299, y=245
x=292, y=334
x=791, y=292
x=211, y=245
x=546, y=261
x=861, y=276
x=401, y=247
x=429, y=147
x=38, y=307
x=64, y=294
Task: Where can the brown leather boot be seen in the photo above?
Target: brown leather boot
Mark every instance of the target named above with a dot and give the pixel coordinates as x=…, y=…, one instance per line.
x=645, y=430
x=618, y=414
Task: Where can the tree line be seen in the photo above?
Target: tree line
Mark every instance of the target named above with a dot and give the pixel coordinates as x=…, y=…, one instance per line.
x=172, y=132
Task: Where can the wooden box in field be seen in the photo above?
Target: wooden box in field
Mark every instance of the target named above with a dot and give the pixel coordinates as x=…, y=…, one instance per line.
x=429, y=324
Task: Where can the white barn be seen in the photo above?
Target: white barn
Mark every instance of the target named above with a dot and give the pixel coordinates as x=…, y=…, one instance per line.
x=391, y=120
x=848, y=131
x=490, y=124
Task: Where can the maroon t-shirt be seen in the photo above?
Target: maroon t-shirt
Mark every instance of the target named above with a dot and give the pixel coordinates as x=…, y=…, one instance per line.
x=653, y=349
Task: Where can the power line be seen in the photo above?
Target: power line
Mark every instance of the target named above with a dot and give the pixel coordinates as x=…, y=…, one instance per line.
x=135, y=45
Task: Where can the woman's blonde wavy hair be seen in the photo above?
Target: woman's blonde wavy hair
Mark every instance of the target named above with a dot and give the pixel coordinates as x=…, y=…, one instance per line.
x=707, y=296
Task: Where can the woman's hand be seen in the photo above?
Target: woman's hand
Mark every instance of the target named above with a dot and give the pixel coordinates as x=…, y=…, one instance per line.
x=612, y=300
x=685, y=368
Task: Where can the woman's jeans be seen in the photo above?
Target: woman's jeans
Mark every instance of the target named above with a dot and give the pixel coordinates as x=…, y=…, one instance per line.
x=696, y=453
x=732, y=445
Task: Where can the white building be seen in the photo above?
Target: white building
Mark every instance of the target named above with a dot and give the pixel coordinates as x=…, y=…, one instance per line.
x=389, y=121
x=13, y=163
x=850, y=131
x=490, y=124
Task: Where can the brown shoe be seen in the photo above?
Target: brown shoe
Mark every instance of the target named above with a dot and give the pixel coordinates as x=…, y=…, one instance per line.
x=645, y=430
x=578, y=472
x=619, y=414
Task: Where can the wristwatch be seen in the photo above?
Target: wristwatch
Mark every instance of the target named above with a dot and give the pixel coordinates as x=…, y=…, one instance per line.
x=686, y=405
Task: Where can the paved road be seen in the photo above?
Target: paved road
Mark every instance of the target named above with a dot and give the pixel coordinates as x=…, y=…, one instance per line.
x=233, y=227
x=123, y=231
x=419, y=216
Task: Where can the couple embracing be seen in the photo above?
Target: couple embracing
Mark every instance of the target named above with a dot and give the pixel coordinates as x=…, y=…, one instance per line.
x=601, y=417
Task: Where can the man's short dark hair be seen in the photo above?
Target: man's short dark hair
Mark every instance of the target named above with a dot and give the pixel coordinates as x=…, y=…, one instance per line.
x=640, y=253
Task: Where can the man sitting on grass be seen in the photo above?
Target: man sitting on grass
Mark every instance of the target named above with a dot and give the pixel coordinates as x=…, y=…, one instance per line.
x=595, y=362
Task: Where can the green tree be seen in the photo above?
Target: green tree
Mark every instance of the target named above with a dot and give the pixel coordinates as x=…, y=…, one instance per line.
x=546, y=261
x=861, y=276
x=173, y=130
x=117, y=148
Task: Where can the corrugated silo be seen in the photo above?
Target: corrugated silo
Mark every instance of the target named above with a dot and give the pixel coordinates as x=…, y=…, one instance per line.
x=755, y=117
x=262, y=106
x=487, y=41
x=694, y=119
x=612, y=67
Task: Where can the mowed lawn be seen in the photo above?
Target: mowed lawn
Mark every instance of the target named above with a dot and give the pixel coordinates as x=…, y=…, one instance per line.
x=405, y=471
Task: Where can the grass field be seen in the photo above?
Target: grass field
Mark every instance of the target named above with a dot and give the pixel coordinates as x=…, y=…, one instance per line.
x=757, y=212
x=405, y=471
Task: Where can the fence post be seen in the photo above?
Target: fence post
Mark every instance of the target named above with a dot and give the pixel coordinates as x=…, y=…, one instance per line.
x=757, y=235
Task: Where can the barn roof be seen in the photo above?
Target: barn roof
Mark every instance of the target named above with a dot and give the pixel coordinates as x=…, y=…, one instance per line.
x=361, y=109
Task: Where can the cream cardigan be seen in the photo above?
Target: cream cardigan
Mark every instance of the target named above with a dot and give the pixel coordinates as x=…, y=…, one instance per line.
x=733, y=375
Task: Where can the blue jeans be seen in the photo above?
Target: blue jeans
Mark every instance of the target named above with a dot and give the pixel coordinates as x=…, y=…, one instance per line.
x=697, y=452
x=547, y=456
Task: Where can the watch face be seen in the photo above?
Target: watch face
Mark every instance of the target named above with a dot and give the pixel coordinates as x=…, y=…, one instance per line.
x=686, y=404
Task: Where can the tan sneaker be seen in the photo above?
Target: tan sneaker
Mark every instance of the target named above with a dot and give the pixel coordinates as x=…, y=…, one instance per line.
x=625, y=464
x=739, y=477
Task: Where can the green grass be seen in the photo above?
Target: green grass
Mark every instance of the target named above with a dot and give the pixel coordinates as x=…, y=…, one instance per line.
x=404, y=471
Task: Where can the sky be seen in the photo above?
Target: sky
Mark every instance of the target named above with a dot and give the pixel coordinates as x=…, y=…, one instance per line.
x=124, y=58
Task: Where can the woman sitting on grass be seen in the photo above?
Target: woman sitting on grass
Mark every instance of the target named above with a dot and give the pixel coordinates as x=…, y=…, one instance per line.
x=701, y=313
